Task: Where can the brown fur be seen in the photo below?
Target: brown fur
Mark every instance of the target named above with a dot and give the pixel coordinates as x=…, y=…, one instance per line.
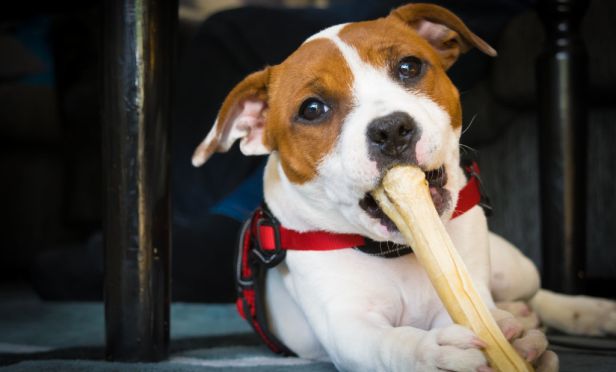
x=384, y=42
x=301, y=76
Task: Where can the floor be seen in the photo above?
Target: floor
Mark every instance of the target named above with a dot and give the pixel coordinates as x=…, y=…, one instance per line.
x=65, y=336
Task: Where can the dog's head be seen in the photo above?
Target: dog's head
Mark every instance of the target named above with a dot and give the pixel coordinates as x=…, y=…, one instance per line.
x=352, y=101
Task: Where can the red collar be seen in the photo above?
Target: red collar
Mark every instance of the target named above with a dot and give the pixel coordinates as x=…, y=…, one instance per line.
x=270, y=238
x=472, y=193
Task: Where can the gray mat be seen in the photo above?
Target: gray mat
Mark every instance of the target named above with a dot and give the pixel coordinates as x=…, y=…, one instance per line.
x=47, y=336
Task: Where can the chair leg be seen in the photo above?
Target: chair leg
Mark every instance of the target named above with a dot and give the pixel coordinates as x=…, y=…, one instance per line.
x=139, y=39
x=562, y=80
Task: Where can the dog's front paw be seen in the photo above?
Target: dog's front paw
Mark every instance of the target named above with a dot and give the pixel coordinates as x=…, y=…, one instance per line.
x=453, y=348
x=522, y=312
x=531, y=344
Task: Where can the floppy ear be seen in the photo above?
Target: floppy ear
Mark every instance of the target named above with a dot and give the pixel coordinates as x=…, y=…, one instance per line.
x=242, y=116
x=444, y=30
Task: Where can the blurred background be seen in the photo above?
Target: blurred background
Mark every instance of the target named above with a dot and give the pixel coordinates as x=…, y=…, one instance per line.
x=50, y=133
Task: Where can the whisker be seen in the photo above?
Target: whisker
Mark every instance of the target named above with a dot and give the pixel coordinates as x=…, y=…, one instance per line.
x=464, y=147
x=469, y=124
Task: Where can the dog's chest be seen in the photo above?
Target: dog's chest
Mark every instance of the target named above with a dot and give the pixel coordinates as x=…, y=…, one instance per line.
x=397, y=288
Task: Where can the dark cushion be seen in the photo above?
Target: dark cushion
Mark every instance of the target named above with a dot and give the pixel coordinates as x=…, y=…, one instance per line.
x=513, y=77
x=510, y=171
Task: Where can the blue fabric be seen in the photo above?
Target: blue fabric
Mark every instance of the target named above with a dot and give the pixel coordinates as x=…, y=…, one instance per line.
x=240, y=203
x=34, y=35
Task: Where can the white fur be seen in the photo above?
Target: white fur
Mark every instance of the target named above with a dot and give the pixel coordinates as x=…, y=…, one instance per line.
x=199, y=158
x=367, y=313
x=579, y=315
x=328, y=33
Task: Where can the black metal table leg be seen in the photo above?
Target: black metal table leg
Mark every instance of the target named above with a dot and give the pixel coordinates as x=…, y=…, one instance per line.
x=139, y=39
x=562, y=79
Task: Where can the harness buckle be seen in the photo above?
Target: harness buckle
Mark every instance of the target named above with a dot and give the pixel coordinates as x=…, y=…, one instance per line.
x=472, y=170
x=269, y=257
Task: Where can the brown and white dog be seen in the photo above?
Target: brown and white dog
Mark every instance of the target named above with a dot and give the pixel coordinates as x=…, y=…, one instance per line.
x=350, y=102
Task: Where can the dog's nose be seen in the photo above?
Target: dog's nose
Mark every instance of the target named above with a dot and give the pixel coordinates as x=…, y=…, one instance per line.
x=392, y=135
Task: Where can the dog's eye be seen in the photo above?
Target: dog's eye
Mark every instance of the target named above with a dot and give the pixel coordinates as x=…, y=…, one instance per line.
x=313, y=110
x=409, y=68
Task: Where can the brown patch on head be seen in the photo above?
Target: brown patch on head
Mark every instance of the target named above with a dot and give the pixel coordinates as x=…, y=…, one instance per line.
x=316, y=70
x=426, y=31
x=384, y=42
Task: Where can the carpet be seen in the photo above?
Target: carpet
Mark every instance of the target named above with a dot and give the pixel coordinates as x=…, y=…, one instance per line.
x=69, y=336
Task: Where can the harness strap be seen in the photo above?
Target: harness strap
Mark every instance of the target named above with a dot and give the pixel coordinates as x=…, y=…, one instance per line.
x=263, y=243
x=250, y=303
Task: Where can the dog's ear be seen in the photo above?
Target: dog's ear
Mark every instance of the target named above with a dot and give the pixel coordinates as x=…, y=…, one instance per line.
x=444, y=30
x=242, y=116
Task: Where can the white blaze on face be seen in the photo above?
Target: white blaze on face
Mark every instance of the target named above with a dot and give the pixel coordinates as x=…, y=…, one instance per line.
x=347, y=173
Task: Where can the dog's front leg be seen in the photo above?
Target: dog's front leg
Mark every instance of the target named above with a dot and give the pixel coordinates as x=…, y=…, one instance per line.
x=355, y=309
x=452, y=348
x=360, y=340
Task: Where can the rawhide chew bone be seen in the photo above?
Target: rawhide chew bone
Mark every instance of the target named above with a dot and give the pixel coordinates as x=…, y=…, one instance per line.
x=405, y=197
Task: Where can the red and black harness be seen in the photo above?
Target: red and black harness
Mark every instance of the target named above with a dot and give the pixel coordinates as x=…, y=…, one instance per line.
x=263, y=243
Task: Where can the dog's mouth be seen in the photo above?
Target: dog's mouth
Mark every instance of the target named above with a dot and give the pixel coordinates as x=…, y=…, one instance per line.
x=437, y=179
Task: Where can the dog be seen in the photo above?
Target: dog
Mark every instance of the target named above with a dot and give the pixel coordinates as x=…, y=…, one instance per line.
x=351, y=102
